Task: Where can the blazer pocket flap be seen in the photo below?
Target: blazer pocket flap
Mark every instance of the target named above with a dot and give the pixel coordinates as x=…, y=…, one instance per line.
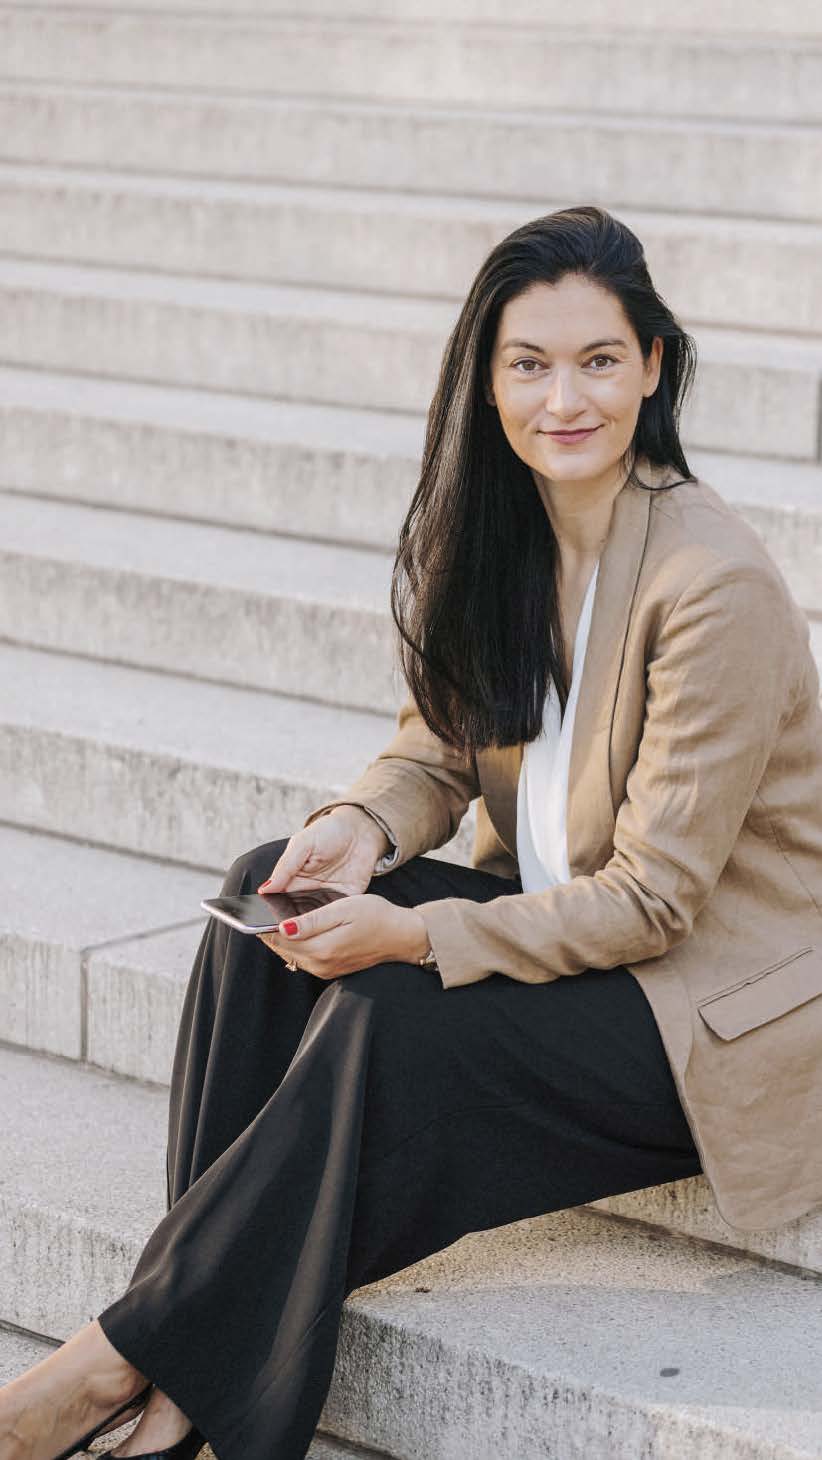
x=765, y=996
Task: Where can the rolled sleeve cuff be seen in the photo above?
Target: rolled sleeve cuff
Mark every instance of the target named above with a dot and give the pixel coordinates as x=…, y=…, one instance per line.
x=444, y=923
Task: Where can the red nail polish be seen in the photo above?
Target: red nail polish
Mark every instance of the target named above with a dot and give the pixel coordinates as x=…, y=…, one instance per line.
x=290, y=928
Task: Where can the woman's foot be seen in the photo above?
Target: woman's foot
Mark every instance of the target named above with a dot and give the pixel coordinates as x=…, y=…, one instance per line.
x=160, y=1425
x=60, y=1399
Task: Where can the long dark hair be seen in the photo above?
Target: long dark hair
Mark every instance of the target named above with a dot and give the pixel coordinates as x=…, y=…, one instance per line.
x=473, y=592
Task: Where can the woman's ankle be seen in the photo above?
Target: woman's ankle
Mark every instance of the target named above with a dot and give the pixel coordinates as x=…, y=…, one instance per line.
x=110, y=1378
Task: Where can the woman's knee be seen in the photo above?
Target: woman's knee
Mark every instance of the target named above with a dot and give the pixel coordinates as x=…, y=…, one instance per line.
x=251, y=868
x=400, y=1000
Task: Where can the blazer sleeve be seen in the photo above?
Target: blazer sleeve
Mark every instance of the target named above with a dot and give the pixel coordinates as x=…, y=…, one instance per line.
x=721, y=679
x=418, y=788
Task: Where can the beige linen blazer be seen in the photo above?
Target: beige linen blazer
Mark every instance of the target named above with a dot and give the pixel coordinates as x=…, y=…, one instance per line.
x=694, y=835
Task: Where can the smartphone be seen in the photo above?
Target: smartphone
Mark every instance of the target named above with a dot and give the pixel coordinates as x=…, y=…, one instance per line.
x=258, y=912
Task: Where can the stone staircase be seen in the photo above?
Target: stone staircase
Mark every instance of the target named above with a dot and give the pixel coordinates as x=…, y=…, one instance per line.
x=224, y=290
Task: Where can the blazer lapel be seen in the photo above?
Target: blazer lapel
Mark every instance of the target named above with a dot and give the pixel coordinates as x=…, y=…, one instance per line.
x=591, y=813
x=590, y=810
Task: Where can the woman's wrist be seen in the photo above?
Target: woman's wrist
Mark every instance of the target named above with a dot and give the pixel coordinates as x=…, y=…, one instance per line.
x=418, y=941
x=366, y=826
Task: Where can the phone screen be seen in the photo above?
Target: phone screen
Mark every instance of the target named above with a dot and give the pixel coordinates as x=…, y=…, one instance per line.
x=257, y=912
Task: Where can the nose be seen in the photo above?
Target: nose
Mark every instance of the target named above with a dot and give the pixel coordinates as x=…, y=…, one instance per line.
x=563, y=397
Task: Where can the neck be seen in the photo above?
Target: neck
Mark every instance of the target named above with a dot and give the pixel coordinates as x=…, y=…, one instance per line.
x=580, y=514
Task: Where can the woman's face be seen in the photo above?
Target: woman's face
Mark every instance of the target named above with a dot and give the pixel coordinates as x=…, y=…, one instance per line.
x=566, y=359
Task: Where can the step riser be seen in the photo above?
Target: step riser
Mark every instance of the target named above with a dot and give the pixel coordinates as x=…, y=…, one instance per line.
x=545, y=69
x=151, y=803
x=795, y=542
x=80, y=927
x=214, y=633
x=758, y=409
x=57, y=1276
x=156, y=804
x=294, y=489
x=266, y=354
x=794, y=17
x=442, y=1393
x=41, y=996
x=96, y=1007
x=722, y=169
x=299, y=487
x=336, y=654
x=132, y=1020
x=688, y=1207
x=777, y=280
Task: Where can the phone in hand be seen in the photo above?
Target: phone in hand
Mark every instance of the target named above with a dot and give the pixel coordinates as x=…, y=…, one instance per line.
x=258, y=912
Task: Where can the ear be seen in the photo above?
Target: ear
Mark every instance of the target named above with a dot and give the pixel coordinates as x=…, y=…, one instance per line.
x=488, y=392
x=653, y=366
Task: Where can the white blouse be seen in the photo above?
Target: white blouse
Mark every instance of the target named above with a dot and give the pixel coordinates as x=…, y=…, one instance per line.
x=542, y=790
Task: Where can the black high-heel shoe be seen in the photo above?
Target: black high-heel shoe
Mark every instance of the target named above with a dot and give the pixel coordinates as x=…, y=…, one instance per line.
x=185, y=1449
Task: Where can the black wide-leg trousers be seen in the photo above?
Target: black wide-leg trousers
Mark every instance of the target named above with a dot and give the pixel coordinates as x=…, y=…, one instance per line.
x=325, y=1134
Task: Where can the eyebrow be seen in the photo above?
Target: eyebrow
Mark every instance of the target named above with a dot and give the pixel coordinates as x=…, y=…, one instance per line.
x=528, y=345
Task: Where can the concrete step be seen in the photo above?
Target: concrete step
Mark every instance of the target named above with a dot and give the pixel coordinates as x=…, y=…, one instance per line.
x=568, y=1334
x=307, y=471
x=745, y=273
x=238, y=607
x=235, y=607
x=20, y=1351
x=759, y=16
x=688, y=1208
x=728, y=167
x=690, y=74
x=754, y=392
x=172, y=768
x=95, y=949
x=327, y=472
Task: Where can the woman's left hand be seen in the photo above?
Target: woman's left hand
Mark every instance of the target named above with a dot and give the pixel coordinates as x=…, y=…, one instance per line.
x=351, y=933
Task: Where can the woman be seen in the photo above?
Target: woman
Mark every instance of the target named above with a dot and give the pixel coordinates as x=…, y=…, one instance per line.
x=414, y=1062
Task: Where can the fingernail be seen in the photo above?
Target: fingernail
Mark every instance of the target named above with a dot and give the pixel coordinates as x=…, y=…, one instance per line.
x=290, y=928
x=263, y=885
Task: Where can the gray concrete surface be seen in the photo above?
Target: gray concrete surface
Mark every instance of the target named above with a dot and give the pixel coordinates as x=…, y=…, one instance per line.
x=688, y=1207
x=59, y=901
x=753, y=393
x=175, y=768
x=570, y=1331
x=565, y=1335
x=540, y=66
x=392, y=241
x=312, y=471
x=763, y=169
x=192, y=599
x=791, y=17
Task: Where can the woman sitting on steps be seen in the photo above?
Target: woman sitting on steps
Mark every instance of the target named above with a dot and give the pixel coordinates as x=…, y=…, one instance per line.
x=623, y=989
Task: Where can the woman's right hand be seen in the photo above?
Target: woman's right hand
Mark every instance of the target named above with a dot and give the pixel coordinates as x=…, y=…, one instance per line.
x=339, y=850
